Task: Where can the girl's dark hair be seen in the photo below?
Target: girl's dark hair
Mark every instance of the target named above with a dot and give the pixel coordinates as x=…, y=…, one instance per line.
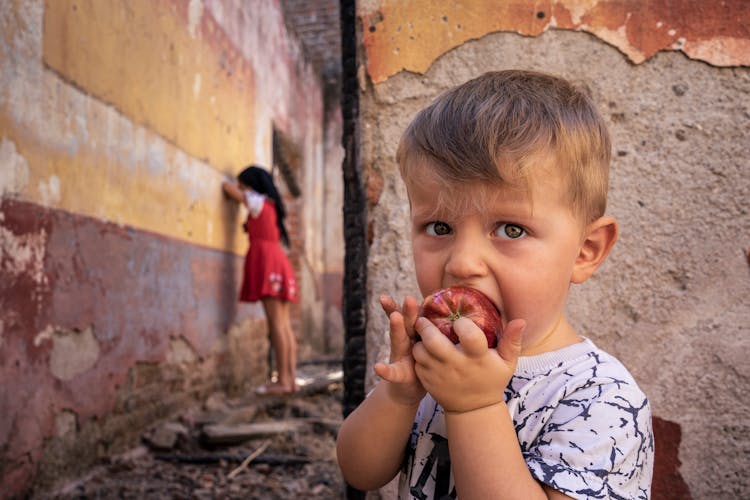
x=261, y=181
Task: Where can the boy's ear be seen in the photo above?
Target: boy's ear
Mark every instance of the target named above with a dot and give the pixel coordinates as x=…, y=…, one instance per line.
x=598, y=240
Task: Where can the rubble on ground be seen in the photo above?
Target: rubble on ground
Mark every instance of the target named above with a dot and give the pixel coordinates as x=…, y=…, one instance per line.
x=273, y=447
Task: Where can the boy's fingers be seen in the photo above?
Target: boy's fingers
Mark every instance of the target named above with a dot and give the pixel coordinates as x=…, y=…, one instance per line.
x=421, y=357
x=390, y=372
x=425, y=328
x=433, y=340
x=399, y=341
x=509, y=347
x=384, y=371
x=388, y=304
x=410, y=311
x=410, y=305
x=473, y=341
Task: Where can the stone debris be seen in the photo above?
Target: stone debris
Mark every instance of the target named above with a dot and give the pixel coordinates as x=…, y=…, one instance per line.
x=165, y=436
x=256, y=448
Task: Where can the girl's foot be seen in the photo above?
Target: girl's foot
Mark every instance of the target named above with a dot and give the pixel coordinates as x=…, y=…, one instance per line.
x=274, y=389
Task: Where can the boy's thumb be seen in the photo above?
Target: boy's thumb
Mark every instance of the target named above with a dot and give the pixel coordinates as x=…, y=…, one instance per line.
x=509, y=347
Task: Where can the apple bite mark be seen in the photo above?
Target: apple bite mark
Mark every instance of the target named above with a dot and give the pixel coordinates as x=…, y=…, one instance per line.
x=446, y=305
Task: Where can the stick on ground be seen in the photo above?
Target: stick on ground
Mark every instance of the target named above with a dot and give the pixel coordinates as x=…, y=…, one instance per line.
x=249, y=459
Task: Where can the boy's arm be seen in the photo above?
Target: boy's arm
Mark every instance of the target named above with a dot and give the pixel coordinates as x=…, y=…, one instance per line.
x=486, y=457
x=372, y=440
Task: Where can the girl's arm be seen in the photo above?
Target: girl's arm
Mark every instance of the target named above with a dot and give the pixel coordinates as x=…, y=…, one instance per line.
x=233, y=191
x=251, y=199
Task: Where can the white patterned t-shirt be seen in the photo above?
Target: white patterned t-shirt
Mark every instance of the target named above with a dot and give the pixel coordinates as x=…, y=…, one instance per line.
x=583, y=424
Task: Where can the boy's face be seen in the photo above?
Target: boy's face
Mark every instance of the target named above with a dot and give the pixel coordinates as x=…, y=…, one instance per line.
x=517, y=244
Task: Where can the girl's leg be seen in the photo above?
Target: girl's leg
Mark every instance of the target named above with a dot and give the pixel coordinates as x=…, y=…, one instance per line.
x=291, y=343
x=275, y=321
x=285, y=349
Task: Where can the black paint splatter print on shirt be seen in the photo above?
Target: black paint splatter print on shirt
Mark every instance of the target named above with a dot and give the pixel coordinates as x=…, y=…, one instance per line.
x=583, y=424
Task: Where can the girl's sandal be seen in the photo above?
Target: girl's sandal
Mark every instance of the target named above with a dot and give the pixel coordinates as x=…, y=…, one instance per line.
x=272, y=390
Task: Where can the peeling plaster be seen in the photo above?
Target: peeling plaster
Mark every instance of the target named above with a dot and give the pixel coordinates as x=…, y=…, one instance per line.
x=14, y=169
x=73, y=351
x=23, y=254
x=181, y=352
x=410, y=35
x=49, y=191
x=66, y=423
x=719, y=50
x=195, y=12
x=43, y=336
x=578, y=8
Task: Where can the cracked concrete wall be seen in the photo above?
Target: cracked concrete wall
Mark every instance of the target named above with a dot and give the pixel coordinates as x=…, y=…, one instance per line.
x=673, y=300
x=120, y=258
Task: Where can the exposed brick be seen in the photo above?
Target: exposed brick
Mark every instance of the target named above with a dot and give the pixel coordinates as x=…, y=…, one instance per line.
x=668, y=483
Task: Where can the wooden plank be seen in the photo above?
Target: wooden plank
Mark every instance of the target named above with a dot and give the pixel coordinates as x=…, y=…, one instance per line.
x=237, y=433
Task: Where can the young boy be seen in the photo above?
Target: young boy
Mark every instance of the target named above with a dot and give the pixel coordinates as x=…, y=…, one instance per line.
x=507, y=180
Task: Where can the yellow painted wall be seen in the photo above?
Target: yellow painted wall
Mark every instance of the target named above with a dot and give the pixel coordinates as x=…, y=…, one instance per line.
x=187, y=83
x=173, y=109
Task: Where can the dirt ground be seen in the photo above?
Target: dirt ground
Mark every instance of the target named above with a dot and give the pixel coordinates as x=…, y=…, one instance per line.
x=254, y=448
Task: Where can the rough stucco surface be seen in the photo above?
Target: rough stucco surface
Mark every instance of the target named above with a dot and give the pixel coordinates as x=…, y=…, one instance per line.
x=673, y=299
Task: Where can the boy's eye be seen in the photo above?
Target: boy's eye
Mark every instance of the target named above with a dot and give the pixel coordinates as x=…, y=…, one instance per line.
x=437, y=228
x=510, y=231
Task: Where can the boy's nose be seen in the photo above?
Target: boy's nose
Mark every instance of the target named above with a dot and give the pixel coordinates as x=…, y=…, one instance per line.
x=467, y=259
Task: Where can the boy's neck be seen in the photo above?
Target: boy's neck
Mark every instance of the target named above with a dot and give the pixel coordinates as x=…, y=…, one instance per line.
x=560, y=335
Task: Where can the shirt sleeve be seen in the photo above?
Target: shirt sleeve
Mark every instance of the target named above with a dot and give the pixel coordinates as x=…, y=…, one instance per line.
x=254, y=202
x=597, y=443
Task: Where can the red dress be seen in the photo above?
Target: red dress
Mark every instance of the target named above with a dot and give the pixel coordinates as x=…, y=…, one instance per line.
x=268, y=272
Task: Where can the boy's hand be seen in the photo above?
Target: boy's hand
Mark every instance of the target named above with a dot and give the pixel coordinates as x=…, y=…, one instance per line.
x=469, y=375
x=403, y=385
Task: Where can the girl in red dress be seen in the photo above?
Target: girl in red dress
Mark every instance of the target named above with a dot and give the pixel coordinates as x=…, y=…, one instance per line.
x=268, y=276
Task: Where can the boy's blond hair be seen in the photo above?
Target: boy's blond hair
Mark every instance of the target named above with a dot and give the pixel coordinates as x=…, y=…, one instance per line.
x=496, y=128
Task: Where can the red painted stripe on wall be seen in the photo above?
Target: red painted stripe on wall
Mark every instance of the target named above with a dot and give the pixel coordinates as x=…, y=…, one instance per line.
x=84, y=302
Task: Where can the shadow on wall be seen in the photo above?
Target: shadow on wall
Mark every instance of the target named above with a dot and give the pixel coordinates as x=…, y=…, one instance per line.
x=228, y=285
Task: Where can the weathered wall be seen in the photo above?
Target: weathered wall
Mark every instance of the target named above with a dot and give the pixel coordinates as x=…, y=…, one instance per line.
x=120, y=258
x=673, y=300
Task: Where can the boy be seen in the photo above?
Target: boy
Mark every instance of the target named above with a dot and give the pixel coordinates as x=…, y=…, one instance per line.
x=507, y=181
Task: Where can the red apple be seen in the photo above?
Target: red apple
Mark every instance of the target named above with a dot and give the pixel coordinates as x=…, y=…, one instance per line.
x=448, y=304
